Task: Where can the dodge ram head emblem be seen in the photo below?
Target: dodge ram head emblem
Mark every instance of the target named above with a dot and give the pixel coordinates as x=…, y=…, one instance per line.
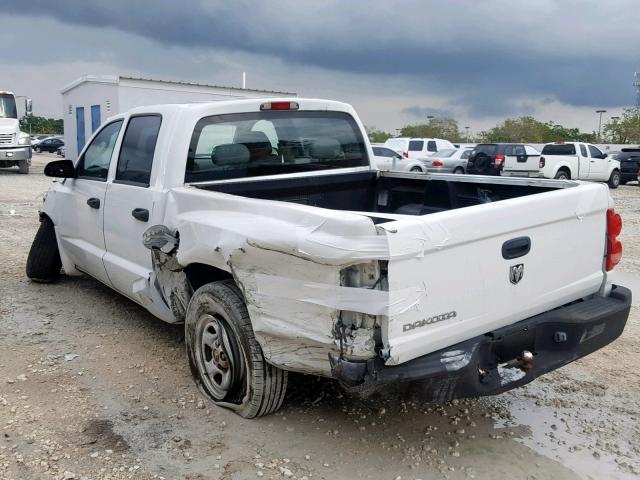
x=516, y=272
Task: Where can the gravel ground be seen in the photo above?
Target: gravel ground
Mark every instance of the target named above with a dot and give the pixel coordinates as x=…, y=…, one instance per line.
x=93, y=387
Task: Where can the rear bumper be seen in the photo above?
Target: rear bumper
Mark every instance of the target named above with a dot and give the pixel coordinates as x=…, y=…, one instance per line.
x=484, y=365
x=522, y=173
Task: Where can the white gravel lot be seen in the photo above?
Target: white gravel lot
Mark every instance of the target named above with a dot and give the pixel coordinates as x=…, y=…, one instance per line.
x=93, y=387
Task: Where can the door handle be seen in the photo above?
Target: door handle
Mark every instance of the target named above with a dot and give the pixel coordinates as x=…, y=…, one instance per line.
x=515, y=248
x=141, y=214
x=94, y=202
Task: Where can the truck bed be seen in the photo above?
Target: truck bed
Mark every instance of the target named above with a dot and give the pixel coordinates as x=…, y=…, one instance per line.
x=385, y=193
x=445, y=247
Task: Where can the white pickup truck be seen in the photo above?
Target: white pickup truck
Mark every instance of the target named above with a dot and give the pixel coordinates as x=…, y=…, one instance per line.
x=263, y=226
x=578, y=161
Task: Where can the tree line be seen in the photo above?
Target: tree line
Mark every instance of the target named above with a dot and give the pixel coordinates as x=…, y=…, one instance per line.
x=525, y=129
x=34, y=125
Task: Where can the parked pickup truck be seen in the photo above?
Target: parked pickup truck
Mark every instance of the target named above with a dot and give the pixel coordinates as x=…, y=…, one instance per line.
x=262, y=225
x=578, y=161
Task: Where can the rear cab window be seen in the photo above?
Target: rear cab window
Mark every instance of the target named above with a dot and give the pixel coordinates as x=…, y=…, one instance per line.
x=559, y=149
x=270, y=143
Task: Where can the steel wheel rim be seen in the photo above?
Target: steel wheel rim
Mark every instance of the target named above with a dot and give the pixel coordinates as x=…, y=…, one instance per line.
x=616, y=179
x=214, y=356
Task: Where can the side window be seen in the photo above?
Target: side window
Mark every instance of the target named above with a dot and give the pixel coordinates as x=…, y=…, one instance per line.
x=530, y=150
x=583, y=150
x=138, y=146
x=466, y=154
x=595, y=152
x=431, y=146
x=416, y=145
x=377, y=151
x=94, y=163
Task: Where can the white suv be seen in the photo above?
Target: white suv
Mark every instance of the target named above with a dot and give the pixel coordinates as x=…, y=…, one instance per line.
x=417, y=147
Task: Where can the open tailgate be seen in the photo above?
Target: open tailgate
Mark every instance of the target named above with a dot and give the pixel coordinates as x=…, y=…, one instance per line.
x=467, y=286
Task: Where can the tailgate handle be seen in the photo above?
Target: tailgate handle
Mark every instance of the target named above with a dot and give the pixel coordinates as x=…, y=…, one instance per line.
x=516, y=247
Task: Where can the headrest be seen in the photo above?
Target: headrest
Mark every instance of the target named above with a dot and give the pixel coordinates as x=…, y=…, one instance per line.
x=326, y=148
x=230, y=154
x=253, y=137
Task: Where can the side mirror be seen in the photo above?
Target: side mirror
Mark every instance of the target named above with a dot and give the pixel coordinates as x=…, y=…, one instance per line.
x=28, y=107
x=60, y=169
x=604, y=155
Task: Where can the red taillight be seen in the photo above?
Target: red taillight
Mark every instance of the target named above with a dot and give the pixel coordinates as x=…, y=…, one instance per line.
x=499, y=161
x=614, y=246
x=280, y=106
x=405, y=154
x=541, y=164
x=437, y=163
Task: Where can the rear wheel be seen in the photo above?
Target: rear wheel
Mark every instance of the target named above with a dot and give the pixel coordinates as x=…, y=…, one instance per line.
x=226, y=360
x=43, y=262
x=562, y=175
x=37, y=149
x=416, y=169
x=458, y=170
x=614, y=179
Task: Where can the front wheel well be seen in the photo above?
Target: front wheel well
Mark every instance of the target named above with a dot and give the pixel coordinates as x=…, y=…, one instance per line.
x=199, y=274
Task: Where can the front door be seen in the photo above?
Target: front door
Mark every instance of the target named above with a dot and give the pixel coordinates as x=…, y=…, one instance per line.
x=597, y=164
x=81, y=202
x=130, y=205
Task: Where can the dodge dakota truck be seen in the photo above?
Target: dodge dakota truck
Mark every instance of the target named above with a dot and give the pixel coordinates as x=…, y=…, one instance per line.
x=265, y=228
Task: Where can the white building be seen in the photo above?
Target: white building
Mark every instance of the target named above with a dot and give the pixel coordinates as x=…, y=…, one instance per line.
x=90, y=100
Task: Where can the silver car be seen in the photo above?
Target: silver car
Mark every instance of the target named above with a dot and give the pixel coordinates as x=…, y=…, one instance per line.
x=451, y=160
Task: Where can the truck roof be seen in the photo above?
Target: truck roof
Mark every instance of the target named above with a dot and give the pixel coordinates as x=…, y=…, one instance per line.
x=245, y=105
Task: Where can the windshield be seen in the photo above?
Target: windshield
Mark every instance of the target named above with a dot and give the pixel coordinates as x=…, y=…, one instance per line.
x=446, y=153
x=270, y=143
x=8, y=106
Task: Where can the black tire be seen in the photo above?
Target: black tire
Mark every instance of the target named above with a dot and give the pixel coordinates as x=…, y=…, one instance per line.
x=614, y=180
x=240, y=378
x=43, y=262
x=416, y=170
x=37, y=149
x=562, y=175
x=458, y=170
x=23, y=166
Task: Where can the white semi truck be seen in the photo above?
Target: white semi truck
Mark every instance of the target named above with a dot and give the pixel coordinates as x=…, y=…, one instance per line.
x=15, y=146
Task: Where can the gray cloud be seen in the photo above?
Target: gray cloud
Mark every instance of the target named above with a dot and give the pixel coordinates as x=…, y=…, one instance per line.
x=483, y=57
x=422, y=112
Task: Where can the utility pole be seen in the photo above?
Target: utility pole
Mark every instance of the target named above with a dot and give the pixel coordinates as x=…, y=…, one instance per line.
x=600, y=122
x=636, y=83
x=467, y=130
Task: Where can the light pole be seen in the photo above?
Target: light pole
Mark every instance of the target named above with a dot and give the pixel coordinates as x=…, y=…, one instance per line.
x=600, y=121
x=467, y=130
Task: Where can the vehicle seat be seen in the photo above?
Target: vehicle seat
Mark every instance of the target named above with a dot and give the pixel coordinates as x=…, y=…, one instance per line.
x=258, y=144
x=231, y=156
x=326, y=148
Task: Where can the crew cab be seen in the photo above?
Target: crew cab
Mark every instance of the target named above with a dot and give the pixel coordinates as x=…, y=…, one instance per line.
x=578, y=161
x=263, y=226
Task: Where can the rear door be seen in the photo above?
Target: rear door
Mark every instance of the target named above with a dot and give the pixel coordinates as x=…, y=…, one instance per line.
x=453, y=264
x=130, y=202
x=416, y=149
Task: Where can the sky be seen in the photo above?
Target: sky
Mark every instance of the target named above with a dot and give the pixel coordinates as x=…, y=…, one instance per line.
x=396, y=61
